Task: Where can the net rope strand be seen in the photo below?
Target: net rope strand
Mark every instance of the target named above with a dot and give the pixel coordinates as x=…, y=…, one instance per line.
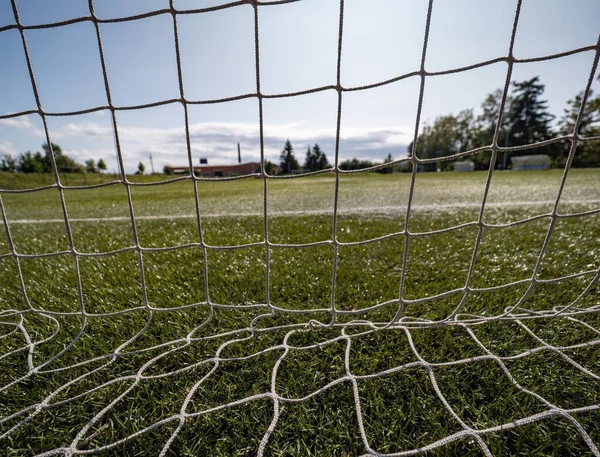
x=346, y=332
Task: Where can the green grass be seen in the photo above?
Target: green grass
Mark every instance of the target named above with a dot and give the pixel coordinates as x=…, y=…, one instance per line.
x=399, y=400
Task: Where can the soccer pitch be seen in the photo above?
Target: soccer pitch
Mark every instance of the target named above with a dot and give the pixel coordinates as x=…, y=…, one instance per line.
x=238, y=372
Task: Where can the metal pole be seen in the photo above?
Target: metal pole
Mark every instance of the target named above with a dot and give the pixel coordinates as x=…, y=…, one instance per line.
x=505, y=145
x=424, y=143
x=151, y=164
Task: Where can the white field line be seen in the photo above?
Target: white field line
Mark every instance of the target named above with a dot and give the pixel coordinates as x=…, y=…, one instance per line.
x=369, y=210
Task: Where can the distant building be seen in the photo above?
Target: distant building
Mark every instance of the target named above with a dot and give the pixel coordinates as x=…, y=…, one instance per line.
x=466, y=165
x=215, y=171
x=532, y=162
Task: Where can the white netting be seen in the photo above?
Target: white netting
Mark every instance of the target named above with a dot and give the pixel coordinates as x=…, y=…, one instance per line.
x=347, y=327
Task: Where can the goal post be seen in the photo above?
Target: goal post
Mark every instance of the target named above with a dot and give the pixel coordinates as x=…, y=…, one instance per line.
x=131, y=322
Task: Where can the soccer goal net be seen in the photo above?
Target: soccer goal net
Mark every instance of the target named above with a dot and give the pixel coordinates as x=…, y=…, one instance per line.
x=443, y=313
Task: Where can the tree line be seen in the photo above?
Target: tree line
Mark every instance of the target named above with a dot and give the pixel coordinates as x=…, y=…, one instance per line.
x=38, y=162
x=315, y=159
x=526, y=121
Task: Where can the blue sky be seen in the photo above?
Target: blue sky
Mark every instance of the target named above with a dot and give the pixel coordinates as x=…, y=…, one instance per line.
x=298, y=50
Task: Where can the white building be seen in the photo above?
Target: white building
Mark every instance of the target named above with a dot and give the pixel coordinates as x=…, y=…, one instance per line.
x=532, y=162
x=465, y=165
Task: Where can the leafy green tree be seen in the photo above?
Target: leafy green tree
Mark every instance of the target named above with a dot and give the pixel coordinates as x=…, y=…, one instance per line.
x=387, y=170
x=484, y=127
x=141, y=168
x=30, y=163
x=63, y=162
x=269, y=167
x=168, y=170
x=90, y=166
x=526, y=121
x=288, y=162
x=405, y=167
x=588, y=152
x=356, y=164
x=101, y=165
x=8, y=163
x=447, y=135
x=487, y=120
x=42, y=163
x=57, y=151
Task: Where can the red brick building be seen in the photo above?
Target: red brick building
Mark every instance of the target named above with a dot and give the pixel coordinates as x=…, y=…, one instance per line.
x=209, y=171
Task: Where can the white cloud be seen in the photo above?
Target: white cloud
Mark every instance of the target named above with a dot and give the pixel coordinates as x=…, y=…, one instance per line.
x=6, y=148
x=88, y=129
x=21, y=122
x=217, y=141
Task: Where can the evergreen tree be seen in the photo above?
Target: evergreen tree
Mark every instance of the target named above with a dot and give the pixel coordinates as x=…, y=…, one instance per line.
x=315, y=159
x=310, y=164
x=288, y=162
x=320, y=158
x=528, y=118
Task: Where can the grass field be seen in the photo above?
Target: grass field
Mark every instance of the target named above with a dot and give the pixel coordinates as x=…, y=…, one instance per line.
x=196, y=346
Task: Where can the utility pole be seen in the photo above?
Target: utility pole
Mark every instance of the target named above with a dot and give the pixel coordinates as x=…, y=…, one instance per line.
x=424, y=145
x=239, y=154
x=151, y=163
x=119, y=170
x=504, y=160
